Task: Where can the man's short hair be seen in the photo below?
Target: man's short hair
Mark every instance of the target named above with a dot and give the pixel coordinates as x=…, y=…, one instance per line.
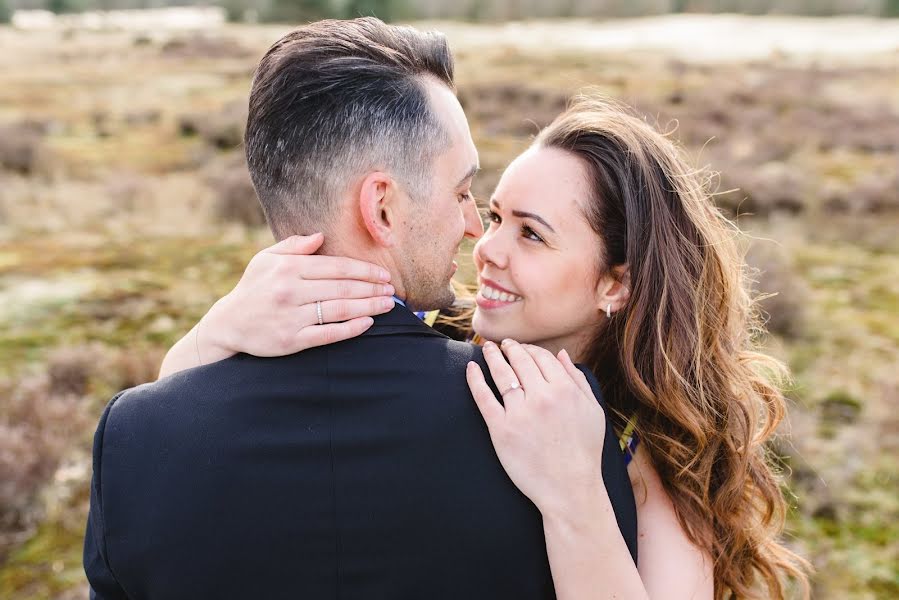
x=334, y=99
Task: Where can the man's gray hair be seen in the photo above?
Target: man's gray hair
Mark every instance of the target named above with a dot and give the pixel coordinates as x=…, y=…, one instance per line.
x=333, y=100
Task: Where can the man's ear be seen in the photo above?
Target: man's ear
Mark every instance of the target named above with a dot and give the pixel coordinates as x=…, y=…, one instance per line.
x=377, y=206
x=614, y=289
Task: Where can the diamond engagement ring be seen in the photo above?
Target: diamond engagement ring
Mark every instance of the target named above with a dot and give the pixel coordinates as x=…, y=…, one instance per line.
x=514, y=386
x=318, y=312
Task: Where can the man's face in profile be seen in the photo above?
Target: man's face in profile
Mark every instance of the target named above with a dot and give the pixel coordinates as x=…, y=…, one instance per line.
x=437, y=224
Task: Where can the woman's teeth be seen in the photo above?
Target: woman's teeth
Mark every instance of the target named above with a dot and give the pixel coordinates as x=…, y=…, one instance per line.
x=494, y=294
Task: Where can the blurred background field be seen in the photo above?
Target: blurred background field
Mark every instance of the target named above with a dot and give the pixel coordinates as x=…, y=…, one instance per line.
x=126, y=210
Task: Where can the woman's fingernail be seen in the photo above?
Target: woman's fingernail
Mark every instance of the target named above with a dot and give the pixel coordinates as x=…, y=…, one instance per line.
x=387, y=303
x=385, y=275
x=388, y=290
x=489, y=344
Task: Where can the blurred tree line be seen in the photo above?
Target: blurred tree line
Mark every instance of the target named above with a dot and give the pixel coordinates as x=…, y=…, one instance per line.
x=474, y=10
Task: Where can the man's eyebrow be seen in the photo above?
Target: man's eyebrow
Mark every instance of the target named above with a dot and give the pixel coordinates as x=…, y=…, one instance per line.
x=524, y=215
x=471, y=173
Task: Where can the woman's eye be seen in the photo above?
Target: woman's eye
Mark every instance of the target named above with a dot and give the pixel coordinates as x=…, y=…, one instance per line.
x=493, y=217
x=530, y=234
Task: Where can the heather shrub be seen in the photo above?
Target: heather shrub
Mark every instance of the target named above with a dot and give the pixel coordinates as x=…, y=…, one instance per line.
x=235, y=197
x=69, y=370
x=198, y=46
x=876, y=193
x=38, y=426
x=511, y=108
x=128, y=191
x=132, y=367
x=143, y=117
x=22, y=147
x=780, y=291
x=222, y=130
x=747, y=189
x=45, y=416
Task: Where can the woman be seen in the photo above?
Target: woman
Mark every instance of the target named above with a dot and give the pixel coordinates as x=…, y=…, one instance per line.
x=603, y=248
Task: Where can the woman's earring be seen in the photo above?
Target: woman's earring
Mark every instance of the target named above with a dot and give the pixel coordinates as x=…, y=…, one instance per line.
x=609, y=311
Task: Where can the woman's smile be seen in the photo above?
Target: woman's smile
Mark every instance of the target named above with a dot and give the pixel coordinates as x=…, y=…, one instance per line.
x=492, y=295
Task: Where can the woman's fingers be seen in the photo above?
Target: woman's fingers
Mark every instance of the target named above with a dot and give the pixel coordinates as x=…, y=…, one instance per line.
x=297, y=244
x=525, y=368
x=507, y=382
x=322, y=335
x=338, y=267
x=548, y=364
x=576, y=374
x=336, y=289
x=335, y=311
x=490, y=408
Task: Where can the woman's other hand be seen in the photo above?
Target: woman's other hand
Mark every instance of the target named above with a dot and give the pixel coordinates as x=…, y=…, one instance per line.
x=272, y=311
x=549, y=431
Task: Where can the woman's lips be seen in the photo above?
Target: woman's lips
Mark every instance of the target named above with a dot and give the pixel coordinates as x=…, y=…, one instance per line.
x=487, y=303
x=484, y=282
x=492, y=295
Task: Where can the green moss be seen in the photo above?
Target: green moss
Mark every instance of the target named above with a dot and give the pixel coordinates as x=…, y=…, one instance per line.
x=842, y=398
x=44, y=566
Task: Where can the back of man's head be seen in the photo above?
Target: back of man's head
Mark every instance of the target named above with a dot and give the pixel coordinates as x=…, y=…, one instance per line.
x=334, y=99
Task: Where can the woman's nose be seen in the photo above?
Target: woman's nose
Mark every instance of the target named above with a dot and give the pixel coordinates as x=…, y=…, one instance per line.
x=489, y=250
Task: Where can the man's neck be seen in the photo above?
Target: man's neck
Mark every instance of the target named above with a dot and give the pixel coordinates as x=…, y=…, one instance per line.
x=376, y=256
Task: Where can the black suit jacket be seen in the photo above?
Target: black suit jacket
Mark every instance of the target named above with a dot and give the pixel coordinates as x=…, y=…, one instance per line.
x=357, y=470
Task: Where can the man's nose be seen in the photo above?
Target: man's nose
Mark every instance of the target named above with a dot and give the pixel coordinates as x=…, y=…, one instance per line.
x=474, y=227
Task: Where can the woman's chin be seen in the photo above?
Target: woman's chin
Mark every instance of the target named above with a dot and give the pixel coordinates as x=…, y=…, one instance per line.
x=489, y=329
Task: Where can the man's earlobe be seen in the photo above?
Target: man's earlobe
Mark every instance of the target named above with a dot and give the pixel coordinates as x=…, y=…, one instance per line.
x=376, y=208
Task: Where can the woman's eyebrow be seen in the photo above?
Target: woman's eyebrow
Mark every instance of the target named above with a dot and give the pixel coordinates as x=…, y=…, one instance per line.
x=529, y=215
x=524, y=215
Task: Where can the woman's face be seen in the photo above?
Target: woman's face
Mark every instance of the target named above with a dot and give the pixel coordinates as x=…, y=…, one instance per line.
x=538, y=260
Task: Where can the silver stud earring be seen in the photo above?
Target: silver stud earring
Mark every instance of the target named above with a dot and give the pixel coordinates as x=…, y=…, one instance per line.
x=609, y=311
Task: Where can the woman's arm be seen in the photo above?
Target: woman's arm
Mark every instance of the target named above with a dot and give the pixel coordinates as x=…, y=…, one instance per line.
x=670, y=565
x=549, y=435
x=586, y=550
x=272, y=311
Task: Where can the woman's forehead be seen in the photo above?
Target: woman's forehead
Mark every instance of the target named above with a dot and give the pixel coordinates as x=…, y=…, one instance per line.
x=543, y=179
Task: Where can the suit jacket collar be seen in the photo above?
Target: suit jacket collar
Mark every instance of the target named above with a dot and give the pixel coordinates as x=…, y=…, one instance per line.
x=401, y=321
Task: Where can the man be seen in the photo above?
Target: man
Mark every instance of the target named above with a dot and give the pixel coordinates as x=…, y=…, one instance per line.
x=356, y=470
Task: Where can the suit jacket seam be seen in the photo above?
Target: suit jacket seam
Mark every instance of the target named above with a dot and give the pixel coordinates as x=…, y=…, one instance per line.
x=101, y=443
x=330, y=402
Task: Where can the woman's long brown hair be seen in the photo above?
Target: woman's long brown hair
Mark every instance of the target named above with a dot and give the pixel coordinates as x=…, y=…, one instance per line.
x=682, y=354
